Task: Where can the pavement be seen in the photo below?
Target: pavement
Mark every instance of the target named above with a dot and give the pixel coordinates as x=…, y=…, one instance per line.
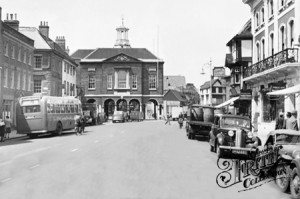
x=14, y=134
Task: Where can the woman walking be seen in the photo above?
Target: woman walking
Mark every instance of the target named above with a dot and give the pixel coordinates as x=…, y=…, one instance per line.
x=7, y=122
x=2, y=130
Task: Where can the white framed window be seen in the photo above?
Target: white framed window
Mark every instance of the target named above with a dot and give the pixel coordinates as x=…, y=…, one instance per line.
x=29, y=82
x=122, y=79
x=263, y=48
x=13, y=52
x=68, y=88
x=74, y=71
x=271, y=44
x=257, y=19
x=19, y=80
x=25, y=56
x=38, y=61
x=134, y=82
x=19, y=55
x=5, y=77
x=282, y=37
x=65, y=67
x=29, y=59
x=92, y=82
x=262, y=15
x=152, y=82
x=109, y=82
x=37, y=86
x=24, y=81
x=65, y=87
x=257, y=52
x=12, y=79
x=6, y=49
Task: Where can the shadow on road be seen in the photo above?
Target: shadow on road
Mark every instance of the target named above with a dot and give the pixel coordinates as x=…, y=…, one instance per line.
x=20, y=140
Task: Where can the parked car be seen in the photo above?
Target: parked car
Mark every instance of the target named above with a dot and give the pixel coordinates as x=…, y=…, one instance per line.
x=289, y=142
x=231, y=137
x=118, y=116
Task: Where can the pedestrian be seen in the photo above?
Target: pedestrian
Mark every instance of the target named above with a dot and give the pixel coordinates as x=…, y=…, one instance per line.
x=168, y=119
x=279, y=121
x=82, y=122
x=2, y=129
x=291, y=121
x=7, y=122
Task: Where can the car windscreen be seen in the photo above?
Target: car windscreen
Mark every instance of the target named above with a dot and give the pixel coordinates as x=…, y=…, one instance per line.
x=31, y=109
x=235, y=122
x=287, y=139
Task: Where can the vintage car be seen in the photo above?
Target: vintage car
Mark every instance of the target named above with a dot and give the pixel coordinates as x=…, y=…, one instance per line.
x=118, y=116
x=289, y=152
x=231, y=137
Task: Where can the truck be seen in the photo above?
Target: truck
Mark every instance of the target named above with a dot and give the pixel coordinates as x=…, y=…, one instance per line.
x=199, y=120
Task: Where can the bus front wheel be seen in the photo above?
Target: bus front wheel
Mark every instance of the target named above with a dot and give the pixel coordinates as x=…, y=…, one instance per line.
x=59, y=129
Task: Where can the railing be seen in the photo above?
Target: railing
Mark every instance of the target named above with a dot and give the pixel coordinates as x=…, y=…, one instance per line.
x=289, y=55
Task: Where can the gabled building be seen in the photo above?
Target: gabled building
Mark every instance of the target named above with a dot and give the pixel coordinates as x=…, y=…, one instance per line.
x=274, y=73
x=218, y=92
x=122, y=78
x=16, y=74
x=54, y=71
x=239, y=56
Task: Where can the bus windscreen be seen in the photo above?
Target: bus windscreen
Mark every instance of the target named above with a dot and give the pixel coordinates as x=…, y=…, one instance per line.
x=31, y=109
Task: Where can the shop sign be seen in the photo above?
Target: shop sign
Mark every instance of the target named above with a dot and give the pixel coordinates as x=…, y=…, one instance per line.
x=219, y=72
x=246, y=94
x=277, y=86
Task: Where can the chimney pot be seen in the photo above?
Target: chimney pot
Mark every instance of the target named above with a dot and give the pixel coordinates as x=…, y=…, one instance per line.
x=11, y=16
x=7, y=16
x=16, y=16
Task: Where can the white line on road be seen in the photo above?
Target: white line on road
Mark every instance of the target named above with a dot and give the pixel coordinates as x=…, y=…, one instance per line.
x=5, y=180
x=74, y=150
x=37, y=165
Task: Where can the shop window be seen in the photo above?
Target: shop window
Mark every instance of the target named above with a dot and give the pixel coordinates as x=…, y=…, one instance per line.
x=272, y=105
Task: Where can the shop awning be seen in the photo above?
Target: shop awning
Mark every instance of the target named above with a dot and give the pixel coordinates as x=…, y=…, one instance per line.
x=227, y=102
x=286, y=91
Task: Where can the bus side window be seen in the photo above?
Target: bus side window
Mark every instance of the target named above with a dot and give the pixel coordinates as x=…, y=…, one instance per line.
x=62, y=108
x=52, y=108
x=68, y=108
x=57, y=108
x=48, y=108
x=72, y=108
x=76, y=108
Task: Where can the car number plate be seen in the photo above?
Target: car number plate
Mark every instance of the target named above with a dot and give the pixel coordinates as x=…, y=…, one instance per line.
x=239, y=152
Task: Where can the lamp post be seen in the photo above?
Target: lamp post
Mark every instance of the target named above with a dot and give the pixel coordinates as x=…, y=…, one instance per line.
x=210, y=80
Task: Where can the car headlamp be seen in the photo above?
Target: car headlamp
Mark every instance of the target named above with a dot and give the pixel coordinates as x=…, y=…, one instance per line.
x=250, y=134
x=296, y=154
x=230, y=133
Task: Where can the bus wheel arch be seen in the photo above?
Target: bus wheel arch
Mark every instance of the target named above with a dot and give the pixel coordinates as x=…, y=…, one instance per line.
x=59, y=128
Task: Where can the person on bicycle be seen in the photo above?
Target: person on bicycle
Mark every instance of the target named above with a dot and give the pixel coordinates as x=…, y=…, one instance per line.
x=77, y=119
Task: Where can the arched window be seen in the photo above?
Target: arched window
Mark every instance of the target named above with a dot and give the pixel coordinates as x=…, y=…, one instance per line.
x=271, y=44
x=282, y=37
x=262, y=15
x=263, y=48
x=257, y=51
x=271, y=12
x=291, y=33
x=257, y=19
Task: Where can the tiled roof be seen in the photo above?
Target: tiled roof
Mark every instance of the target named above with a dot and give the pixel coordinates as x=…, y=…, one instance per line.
x=173, y=95
x=41, y=42
x=81, y=53
x=172, y=82
x=105, y=53
x=206, y=85
x=34, y=34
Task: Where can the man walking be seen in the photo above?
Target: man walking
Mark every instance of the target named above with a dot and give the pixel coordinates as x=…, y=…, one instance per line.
x=7, y=122
x=291, y=121
x=168, y=119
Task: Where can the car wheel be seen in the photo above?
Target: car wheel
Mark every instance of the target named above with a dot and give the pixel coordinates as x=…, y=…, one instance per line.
x=283, y=180
x=59, y=129
x=295, y=184
x=219, y=151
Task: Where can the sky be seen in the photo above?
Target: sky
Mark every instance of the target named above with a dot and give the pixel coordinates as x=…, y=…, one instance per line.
x=185, y=34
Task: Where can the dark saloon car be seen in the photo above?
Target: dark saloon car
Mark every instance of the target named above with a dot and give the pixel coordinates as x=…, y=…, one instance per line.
x=289, y=152
x=231, y=137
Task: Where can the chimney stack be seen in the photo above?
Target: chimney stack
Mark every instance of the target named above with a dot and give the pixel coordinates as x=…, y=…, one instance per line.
x=12, y=21
x=60, y=40
x=44, y=28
